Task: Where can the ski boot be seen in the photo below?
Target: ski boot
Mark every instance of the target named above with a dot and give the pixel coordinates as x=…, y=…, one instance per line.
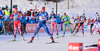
x=14, y=38
x=91, y=33
x=63, y=35
x=31, y=40
x=23, y=37
x=57, y=35
x=83, y=34
x=52, y=40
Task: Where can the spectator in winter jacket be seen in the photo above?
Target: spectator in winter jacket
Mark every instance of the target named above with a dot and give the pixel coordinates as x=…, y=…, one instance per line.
x=8, y=19
x=23, y=24
x=1, y=23
x=23, y=20
x=21, y=14
x=33, y=20
x=28, y=20
x=58, y=19
x=7, y=13
x=1, y=13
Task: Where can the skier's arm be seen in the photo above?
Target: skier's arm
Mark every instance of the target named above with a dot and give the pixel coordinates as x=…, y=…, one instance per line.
x=46, y=16
x=74, y=20
x=68, y=17
x=62, y=19
x=12, y=16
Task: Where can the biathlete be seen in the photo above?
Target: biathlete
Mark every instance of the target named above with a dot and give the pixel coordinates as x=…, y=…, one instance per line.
x=82, y=19
x=16, y=18
x=96, y=25
x=42, y=23
x=76, y=20
x=53, y=18
x=66, y=20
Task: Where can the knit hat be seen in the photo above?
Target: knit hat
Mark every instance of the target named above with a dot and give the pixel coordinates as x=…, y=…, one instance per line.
x=43, y=8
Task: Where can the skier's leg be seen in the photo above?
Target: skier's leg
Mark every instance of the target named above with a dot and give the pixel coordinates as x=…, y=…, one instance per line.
x=74, y=27
x=77, y=28
x=55, y=24
x=47, y=31
x=64, y=30
x=19, y=28
x=37, y=29
x=98, y=28
x=15, y=30
x=52, y=27
x=69, y=27
x=92, y=30
x=83, y=28
x=62, y=27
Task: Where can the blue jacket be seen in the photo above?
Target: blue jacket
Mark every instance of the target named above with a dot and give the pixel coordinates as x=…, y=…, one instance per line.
x=23, y=20
x=1, y=13
x=58, y=20
x=8, y=19
x=1, y=24
x=29, y=21
x=33, y=21
x=44, y=15
x=53, y=18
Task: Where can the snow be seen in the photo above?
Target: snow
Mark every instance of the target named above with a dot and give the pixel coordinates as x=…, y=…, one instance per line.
x=79, y=5
x=41, y=45
x=89, y=7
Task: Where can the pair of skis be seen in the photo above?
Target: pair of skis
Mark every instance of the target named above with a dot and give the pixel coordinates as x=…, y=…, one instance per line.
x=46, y=42
x=32, y=42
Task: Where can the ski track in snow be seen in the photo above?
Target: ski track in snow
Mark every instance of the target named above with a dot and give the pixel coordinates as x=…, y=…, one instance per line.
x=41, y=45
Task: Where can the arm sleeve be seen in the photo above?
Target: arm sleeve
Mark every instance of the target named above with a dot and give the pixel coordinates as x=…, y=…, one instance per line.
x=68, y=17
x=85, y=18
x=11, y=16
x=74, y=20
x=62, y=19
x=19, y=16
x=47, y=15
x=22, y=14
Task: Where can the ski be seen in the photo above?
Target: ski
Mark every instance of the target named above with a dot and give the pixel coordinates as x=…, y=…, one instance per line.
x=57, y=37
x=12, y=41
x=50, y=42
x=29, y=42
x=74, y=35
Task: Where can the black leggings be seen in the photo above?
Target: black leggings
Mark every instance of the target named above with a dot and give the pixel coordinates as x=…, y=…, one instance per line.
x=91, y=27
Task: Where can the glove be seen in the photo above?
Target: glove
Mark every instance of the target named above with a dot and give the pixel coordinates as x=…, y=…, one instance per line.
x=50, y=17
x=54, y=17
x=65, y=20
x=44, y=21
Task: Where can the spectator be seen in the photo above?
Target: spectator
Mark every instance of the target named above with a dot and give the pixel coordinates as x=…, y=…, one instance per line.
x=33, y=20
x=1, y=13
x=7, y=13
x=58, y=19
x=23, y=24
x=28, y=20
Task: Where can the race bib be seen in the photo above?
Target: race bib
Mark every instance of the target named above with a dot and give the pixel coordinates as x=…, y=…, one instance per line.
x=53, y=19
x=42, y=18
x=15, y=18
x=76, y=21
x=82, y=19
